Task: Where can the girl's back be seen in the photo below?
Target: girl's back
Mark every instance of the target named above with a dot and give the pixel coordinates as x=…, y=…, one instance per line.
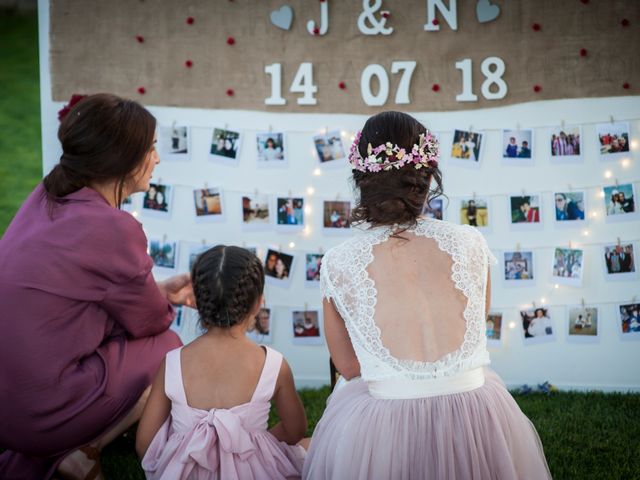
x=209, y=405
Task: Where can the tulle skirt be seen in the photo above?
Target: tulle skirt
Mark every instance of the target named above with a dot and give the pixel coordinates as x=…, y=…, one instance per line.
x=479, y=434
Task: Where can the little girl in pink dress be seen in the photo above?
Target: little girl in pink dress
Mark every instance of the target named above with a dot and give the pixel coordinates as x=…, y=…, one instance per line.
x=208, y=409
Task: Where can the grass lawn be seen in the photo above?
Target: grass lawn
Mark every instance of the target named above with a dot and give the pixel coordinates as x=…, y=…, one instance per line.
x=585, y=435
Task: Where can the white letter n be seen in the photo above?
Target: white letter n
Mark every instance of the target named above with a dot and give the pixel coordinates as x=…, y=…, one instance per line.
x=450, y=14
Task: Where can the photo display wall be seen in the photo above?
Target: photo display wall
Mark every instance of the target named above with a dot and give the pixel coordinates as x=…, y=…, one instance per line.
x=551, y=184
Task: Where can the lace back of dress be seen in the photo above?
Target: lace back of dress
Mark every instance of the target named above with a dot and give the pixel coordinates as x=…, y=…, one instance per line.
x=419, y=310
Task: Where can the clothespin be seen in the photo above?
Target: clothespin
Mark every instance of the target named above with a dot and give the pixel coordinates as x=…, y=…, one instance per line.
x=206, y=186
x=583, y=302
x=320, y=250
x=534, y=304
x=518, y=247
x=338, y=196
x=474, y=195
x=306, y=307
x=611, y=118
x=244, y=244
x=570, y=188
x=160, y=181
x=270, y=128
x=523, y=193
x=226, y=126
x=164, y=238
x=618, y=241
x=470, y=128
x=633, y=299
x=204, y=242
x=290, y=194
x=517, y=125
x=326, y=130
x=616, y=180
x=570, y=245
x=279, y=247
x=562, y=124
x=256, y=192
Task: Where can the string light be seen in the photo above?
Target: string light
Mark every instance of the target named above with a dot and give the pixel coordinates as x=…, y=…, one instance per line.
x=608, y=174
x=585, y=233
x=310, y=190
x=625, y=162
x=135, y=214
x=543, y=300
x=292, y=244
x=512, y=325
x=594, y=214
x=306, y=231
x=317, y=172
x=307, y=209
x=634, y=144
x=601, y=193
x=556, y=286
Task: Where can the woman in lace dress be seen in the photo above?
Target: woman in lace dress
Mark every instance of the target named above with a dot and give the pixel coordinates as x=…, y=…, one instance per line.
x=405, y=304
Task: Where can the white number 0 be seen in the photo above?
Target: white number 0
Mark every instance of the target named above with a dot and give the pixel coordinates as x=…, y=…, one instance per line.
x=402, y=95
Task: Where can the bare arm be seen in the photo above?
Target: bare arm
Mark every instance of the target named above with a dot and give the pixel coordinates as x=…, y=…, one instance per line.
x=487, y=303
x=293, y=420
x=155, y=413
x=339, y=343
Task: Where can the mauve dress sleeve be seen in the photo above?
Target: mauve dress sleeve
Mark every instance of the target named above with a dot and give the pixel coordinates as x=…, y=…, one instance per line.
x=132, y=299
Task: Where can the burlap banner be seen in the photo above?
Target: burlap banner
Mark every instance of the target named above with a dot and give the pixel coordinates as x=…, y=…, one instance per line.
x=213, y=53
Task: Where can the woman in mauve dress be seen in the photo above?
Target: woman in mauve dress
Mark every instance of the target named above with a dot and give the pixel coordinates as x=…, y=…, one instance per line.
x=84, y=324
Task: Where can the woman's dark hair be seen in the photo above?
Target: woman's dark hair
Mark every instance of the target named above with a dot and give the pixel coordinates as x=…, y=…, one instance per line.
x=227, y=283
x=103, y=137
x=394, y=196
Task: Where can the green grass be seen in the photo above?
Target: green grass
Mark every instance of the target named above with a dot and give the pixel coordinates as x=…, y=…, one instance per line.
x=20, y=150
x=585, y=435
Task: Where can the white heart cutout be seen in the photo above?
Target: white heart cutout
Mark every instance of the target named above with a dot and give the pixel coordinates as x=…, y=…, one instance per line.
x=282, y=17
x=486, y=12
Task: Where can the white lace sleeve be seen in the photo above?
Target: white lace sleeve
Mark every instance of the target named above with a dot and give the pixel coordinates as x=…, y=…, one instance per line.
x=491, y=259
x=325, y=282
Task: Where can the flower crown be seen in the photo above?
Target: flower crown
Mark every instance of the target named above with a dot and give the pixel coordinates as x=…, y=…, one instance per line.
x=423, y=154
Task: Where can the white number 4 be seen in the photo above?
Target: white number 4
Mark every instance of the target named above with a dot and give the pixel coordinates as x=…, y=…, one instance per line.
x=302, y=83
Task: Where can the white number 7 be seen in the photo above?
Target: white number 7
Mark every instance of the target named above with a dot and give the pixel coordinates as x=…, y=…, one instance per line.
x=402, y=95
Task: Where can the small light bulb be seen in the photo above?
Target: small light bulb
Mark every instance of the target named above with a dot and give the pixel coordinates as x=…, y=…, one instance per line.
x=306, y=231
x=607, y=174
x=135, y=214
x=594, y=214
x=634, y=144
x=625, y=162
x=556, y=286
x=343, y=133
x=310, y=190
x=585, y=233
x=317, y=172
x=307, y=209
x=292, y=244
x=601, y=194
x=543, y=300
x=353, y=137
x=512, y=325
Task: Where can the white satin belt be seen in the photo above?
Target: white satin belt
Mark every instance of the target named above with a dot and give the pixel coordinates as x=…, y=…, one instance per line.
x=405, y=388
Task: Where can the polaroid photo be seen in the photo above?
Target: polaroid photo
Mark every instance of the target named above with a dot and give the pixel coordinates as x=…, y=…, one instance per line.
x=619, y=261
x=434, y=209
x=195, y=249
x=208, y=205
x=157, y=201
x=289, y=213
x=564, y=143
x=164, y=254
x=178, y=320
x=570, y=208
x=568, y=265
x=620, y=203
x=494, y=328
x=261, y=329
x=278, y=267
x=537, y=326
x=518, y=268
x=582, y=324
x=312, y=264
x=613, y=140
x=526, y=212
x=306, y=327
x=466, y=148
x=256, y=212
x=225, y=146
x=175, y=142
x=336, y=216
x=329, y=148
x=517, y=147
x=629, y=321
x=475, y=212
x=271, y=149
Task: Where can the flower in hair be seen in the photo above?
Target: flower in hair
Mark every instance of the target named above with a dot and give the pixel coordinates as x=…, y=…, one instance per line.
x=388, y=156
x=75, y=98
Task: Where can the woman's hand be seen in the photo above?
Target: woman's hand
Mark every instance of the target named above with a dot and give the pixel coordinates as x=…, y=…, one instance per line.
x=178, y=290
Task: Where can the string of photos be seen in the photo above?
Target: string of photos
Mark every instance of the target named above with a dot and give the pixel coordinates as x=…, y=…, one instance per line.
x=292, y=213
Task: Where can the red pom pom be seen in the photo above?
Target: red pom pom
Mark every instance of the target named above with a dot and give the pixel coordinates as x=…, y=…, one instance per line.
x=625, y=22
x=626, y=85
x=75, y=98
x=190, y=20
x=142, y=90
x=231, y=40
x=435, y=21
x=386, y=14
x=536, y=27
x=230, y=92
x=584, y=1
x=140, y=38
x=583, y=52
x=316, y=31
x=435, y=87
x=342, y=86
x=537, y=88
x=188, y=64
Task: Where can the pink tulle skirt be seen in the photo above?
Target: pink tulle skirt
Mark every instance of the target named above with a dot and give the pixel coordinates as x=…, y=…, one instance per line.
x=479, y=434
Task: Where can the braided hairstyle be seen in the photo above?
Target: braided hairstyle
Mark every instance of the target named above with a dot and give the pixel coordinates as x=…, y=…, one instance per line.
x=227, y=283
x=394, y=196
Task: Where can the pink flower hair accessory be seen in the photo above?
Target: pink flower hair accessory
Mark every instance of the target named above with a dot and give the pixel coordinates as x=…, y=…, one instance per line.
x=387, y=156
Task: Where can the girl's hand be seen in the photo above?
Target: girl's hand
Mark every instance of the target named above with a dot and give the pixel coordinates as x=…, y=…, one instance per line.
x=178, y=290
